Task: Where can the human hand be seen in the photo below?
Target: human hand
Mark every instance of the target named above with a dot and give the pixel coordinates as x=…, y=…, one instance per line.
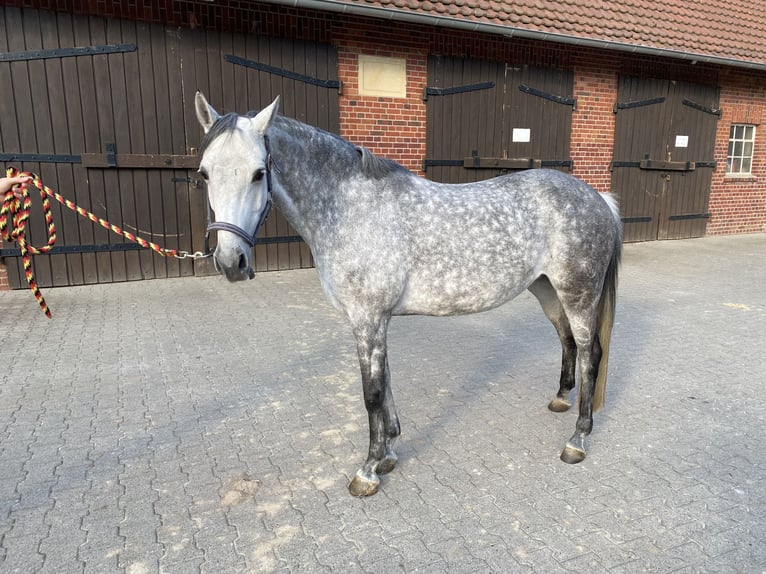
x=14, y=183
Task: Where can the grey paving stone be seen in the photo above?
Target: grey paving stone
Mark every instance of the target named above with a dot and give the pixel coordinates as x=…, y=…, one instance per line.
x=118, y=446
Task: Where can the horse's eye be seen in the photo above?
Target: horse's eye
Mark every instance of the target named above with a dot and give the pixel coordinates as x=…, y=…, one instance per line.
x=258, y=175
x=203, y=173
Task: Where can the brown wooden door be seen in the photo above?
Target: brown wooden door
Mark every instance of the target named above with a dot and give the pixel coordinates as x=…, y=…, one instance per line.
x=663, y=157
x=102, y=109
x=487, y=118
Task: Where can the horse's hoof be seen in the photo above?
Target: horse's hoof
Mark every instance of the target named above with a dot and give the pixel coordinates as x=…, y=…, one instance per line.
x=364, y=485
x=559, y=405
x=387, y=464
x=572, y=455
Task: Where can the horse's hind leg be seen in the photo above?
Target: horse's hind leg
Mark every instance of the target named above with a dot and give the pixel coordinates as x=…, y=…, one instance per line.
x=582, y=313
x=379, y=401
x=589, y=357
x=549, y=300
x=574, y=314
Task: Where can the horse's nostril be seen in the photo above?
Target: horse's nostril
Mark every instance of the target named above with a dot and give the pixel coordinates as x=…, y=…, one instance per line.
x=242, y=262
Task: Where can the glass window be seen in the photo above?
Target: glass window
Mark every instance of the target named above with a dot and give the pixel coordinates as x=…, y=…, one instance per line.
x=741, y=143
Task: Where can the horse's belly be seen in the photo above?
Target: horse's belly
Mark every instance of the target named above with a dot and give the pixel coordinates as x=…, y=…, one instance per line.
x=459, y=293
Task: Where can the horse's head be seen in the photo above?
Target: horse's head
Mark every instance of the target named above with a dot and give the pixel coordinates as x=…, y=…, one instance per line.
x=235, y=164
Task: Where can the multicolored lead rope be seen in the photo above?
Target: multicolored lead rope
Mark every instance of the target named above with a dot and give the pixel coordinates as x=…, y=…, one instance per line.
x=13, y=221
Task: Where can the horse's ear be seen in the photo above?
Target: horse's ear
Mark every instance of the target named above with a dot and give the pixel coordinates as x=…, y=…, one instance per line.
x=265, y=116
x=205, y=112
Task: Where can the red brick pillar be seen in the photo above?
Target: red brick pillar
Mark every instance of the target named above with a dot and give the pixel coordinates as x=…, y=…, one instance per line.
x=390, y=127
x=593, y=124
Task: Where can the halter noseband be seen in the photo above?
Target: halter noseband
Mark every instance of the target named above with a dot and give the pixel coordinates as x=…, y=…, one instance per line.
x=236, y=229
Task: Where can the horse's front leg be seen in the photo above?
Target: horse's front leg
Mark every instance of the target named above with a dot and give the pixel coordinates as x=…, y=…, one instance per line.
x=381, y=411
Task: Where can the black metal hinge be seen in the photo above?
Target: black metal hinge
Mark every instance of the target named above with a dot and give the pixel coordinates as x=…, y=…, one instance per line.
x=651, y=164
x=644, y=219
x=281, y=72
x=638, y=103
x=689, y=216
x=701, y=108
x=662, y=165
x=66, y=52
x=70, y=249
x=41, y=157
x=478, y=162
x=441, y=163
x=118, y=247
x=548, y=96
x=457, y=89
x=278, y=240
x=615, y=164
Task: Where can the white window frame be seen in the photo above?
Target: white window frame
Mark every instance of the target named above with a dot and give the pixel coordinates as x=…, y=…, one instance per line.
x=739, y=158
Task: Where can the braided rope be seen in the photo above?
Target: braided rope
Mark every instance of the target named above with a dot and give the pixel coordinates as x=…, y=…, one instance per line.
x=13, y=221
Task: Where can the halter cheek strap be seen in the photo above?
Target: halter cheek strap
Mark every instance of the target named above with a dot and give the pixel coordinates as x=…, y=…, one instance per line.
x=236, y=229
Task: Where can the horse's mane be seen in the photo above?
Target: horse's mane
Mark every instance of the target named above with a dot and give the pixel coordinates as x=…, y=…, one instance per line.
x=376, y=167
x=224, y=124
x=371, y=165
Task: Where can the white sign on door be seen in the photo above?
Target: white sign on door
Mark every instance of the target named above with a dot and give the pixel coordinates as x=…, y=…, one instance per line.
x=521, y=135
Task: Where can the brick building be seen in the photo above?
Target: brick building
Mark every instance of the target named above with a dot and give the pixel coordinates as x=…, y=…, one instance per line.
x=661, y=104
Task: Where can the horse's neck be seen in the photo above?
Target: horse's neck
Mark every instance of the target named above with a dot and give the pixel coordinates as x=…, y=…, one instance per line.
x=310, y=181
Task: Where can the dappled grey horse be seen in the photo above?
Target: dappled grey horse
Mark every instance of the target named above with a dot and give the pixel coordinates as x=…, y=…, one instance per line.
x=387, y=242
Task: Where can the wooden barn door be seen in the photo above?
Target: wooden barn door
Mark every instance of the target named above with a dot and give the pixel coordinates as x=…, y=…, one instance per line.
x=663, y=157
x=95, y=107
x=103, y=110
x=487, y=118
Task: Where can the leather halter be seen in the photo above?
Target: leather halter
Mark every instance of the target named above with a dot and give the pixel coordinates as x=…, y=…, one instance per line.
x=236, y=229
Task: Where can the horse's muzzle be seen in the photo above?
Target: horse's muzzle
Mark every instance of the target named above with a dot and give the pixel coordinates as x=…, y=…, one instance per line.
x=233, y=264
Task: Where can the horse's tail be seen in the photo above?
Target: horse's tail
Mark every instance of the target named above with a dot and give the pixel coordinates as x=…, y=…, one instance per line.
x=606, y=306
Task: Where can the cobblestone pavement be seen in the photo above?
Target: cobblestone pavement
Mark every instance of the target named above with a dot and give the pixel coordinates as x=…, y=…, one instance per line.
x=191, y=425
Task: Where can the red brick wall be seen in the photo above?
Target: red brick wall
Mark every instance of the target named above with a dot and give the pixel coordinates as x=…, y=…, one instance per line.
x=394, y=128
x=391, y=127
x=738, y=205
x=593, y=124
